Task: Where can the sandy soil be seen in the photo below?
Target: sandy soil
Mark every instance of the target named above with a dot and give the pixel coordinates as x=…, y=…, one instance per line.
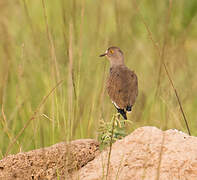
x=59, y=160
x=146, y=154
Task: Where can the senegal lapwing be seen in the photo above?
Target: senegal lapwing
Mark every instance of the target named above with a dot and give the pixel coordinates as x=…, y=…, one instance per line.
x=122, y=83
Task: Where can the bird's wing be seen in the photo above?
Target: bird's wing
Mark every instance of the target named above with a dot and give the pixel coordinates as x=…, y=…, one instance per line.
x=122, y=87
x=133, y=87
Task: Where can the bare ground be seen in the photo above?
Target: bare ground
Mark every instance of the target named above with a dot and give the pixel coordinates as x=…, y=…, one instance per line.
x=146, y=154
x=59, y=160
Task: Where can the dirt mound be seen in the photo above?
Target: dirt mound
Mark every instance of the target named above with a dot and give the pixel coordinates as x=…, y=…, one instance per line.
x=59, y=160
x=147, y=154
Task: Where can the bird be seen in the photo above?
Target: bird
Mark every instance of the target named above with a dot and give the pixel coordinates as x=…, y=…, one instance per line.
x=122, y=83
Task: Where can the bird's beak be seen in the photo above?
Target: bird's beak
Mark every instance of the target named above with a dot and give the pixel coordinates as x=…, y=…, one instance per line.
x=103, y=55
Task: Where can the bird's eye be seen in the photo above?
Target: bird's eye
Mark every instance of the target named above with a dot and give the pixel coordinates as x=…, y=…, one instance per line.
x=111, y=51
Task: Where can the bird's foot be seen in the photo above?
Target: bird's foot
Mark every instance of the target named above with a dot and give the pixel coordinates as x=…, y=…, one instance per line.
x=118, y=121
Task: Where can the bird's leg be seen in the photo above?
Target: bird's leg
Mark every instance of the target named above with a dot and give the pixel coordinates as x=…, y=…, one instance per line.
x=118, y=120
x=118, y=115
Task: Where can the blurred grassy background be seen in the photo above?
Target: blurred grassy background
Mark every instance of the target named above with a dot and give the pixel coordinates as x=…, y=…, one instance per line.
x=44, y=42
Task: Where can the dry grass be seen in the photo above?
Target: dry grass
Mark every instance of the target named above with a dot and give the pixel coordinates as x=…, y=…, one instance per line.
x=44, y=42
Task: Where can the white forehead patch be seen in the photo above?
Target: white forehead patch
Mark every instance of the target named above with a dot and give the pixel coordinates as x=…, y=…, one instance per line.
x=106, y=51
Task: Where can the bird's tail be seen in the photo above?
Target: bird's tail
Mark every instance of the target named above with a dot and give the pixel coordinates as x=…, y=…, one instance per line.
x=123, y=113
x=129, y=108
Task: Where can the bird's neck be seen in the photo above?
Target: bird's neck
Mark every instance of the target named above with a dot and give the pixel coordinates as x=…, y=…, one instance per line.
x=114, y=65
x=115, y=62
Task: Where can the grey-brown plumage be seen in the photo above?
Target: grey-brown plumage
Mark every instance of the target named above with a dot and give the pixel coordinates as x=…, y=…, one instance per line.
x=122, y=84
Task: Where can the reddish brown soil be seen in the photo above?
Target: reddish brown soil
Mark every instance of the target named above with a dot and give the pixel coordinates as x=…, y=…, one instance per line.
x=146, y=154
x=59, y=160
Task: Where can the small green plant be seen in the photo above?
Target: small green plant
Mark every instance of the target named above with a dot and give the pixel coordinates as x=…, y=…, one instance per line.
x=109, y=132
x=108, y=129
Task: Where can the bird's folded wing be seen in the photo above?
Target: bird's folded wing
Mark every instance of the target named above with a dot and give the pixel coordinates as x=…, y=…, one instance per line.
x=122, y=87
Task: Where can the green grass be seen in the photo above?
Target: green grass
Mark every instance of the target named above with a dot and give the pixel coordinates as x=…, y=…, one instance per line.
x=33, y=60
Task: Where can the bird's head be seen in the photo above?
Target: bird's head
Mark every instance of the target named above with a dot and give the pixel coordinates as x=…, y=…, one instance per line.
x=115, y=56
